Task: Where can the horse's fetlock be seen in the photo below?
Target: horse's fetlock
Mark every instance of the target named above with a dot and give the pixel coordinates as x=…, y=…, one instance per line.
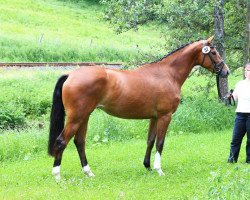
x=146, y=164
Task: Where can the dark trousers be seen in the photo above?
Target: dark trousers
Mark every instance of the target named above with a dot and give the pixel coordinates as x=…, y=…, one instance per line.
x=241, y=127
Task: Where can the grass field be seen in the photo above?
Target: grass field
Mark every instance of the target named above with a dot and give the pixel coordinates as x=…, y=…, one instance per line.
x=195, y=167
x=55, y=30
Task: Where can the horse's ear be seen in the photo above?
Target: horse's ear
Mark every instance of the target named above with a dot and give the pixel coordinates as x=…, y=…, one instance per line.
x=210, y=40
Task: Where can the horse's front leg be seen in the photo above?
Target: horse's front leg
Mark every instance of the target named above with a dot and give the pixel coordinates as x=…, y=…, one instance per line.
x=150, y=143
x=162, y=126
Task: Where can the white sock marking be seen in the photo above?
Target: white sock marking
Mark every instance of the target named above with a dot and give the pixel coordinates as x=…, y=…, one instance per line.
x=157, y=164
x=87, y=171
x=56, y=172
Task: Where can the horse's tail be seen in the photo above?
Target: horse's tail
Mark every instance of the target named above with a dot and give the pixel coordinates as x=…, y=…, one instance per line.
x=57, y=114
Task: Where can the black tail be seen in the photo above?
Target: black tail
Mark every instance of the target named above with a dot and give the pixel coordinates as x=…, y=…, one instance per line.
x=57, y=114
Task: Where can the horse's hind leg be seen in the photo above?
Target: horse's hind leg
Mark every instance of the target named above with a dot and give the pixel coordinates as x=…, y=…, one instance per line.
x=58, y=159
x=61, y=142
x=79, y=141
x=150, y=143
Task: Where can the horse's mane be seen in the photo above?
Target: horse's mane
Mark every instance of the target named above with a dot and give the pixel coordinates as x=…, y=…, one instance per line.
x=181, y=47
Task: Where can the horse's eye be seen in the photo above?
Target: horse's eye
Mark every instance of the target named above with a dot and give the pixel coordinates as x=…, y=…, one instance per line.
x=214, y=53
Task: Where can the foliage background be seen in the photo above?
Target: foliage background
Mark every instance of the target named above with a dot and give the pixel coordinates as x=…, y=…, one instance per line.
x=181, y=21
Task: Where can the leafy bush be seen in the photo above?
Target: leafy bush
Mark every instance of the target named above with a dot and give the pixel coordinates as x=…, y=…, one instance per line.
x=11, y=115
x=197, y=115
x=24, y=96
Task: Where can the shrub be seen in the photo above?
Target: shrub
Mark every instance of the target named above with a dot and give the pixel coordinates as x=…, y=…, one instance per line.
x=201, y=114
x=11, y=115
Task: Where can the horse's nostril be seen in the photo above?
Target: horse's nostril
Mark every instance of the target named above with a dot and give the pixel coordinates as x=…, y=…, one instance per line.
x=224, y=73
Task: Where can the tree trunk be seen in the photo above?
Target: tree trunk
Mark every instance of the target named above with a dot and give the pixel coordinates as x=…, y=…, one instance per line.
x=247, y=41
x=222, y=83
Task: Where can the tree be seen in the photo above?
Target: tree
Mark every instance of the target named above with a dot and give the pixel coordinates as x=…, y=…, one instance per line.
x=222, y=83
x=247, y=42
x=169, y=16
x=234, y=24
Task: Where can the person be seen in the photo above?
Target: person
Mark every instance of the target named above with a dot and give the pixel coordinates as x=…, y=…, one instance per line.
x=242, y=119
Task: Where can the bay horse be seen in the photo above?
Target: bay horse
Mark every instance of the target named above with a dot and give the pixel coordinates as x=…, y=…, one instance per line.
x=151, y=91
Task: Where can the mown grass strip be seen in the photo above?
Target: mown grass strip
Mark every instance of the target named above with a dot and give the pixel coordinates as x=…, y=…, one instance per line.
x=195, y=167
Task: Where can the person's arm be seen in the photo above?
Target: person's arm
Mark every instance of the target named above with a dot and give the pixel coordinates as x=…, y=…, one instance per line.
x=235, y=92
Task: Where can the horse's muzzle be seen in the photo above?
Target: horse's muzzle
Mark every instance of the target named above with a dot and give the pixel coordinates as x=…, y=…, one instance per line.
x=224, y=71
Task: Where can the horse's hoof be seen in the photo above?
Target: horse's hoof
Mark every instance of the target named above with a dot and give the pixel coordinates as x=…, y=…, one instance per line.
x=57, y=177
x=87, y=171
x=149, y=169
x=89, y=174
x=160, y=172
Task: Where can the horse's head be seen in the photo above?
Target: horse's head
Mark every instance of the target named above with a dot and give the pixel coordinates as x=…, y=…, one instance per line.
x=210, y=59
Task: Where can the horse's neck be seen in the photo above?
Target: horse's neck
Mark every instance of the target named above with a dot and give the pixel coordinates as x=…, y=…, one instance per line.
x=178, y=65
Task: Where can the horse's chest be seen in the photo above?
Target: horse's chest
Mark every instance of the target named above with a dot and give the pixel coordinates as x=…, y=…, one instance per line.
x=168, y=103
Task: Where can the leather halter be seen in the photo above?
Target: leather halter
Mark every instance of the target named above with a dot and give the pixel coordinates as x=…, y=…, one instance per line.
x=217, y=66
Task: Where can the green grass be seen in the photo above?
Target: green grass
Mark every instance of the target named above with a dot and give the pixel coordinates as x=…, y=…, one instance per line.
x=62, y=31
x=195, y=167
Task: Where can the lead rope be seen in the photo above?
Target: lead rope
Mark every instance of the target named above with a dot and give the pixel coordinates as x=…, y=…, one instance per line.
x=218, y=86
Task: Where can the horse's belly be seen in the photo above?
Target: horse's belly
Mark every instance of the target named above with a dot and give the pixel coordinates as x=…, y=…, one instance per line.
x=129, y=112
